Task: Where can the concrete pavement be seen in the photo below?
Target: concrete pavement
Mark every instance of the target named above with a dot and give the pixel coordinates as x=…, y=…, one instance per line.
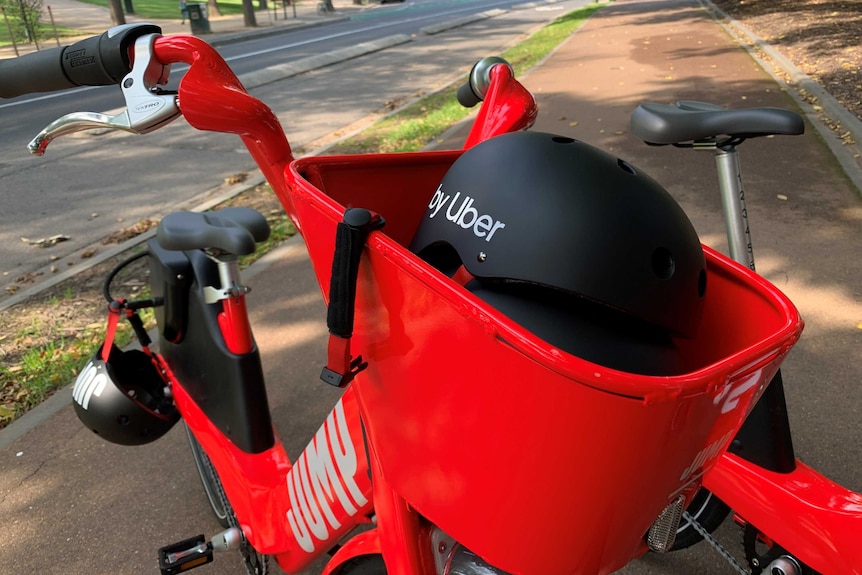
x=72, y=504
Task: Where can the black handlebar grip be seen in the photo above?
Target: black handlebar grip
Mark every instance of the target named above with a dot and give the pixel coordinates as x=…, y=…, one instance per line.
x=467, y=97
x=97, y=61
x=36, y=72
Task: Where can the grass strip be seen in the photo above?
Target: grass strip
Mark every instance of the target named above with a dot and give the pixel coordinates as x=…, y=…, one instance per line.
x=414, y=127
x=168, y=9
x=45, y=34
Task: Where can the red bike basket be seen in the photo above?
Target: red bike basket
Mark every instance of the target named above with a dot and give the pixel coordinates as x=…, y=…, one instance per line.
x=539, y=461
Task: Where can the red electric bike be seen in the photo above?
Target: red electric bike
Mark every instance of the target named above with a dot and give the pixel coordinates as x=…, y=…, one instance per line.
x=594, y=430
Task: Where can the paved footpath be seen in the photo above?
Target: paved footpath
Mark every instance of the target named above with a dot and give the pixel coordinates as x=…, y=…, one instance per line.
x=71, y=504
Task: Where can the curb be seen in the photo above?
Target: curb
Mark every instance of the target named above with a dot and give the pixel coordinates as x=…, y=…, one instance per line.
x=849, y=156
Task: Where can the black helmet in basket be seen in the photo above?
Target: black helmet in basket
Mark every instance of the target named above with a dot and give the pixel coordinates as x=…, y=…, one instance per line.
x=538, y=218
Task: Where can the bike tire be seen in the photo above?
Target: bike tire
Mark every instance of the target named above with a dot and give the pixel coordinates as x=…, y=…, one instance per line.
x=209, y=479
x=708, y=510
x=363, y=565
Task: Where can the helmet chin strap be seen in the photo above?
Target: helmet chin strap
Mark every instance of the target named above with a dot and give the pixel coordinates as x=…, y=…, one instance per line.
x=462, y=277
x=114, y=309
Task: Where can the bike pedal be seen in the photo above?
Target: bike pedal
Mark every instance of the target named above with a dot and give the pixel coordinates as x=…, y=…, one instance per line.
x=184, y=555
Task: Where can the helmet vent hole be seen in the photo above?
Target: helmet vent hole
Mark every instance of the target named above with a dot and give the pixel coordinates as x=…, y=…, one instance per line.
x=701, y=284
x=626, y=167
x=563, y=140
x=663, y=264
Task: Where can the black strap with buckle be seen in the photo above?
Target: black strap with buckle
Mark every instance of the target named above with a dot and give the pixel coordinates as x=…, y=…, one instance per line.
x=350, y=237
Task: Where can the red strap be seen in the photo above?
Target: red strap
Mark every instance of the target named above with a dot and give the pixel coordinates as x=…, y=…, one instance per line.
x=113, y=321
x=462, y=277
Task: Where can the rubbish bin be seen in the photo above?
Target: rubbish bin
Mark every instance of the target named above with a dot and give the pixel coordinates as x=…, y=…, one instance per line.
x=199, y=18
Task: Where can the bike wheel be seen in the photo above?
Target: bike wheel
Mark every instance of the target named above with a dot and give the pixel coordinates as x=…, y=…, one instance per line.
x=210, y=481
x=255, y=563
x=708, y=510
x=364, y=565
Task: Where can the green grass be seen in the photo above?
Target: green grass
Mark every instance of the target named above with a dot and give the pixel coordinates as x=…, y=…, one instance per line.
x=167, y=9
x=44, y=33
x=46, y=368
x=280, y=229
x=414, y=127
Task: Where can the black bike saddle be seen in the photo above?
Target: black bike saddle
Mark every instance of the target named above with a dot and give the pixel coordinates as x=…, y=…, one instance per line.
x=231, y=230
x=688, y=121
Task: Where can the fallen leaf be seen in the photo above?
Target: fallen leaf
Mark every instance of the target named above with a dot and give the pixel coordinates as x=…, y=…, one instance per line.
x=236, y=178
x=46, y=242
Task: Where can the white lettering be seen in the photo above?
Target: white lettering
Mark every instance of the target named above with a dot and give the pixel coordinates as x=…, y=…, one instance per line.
x=706, y=454
x=497, y=226
x=437, y=201
x=464, y=215
x=300, y=531
x=467, y=209
x=327, y=467
x=90, y=382
x=733, y=399
x=310, y=507
x=83, y=382
x=346, y=456
x=483, y=225
x=452, y=217
x=324, y=476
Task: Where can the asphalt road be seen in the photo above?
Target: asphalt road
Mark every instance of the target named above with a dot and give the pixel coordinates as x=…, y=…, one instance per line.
x=90, y=185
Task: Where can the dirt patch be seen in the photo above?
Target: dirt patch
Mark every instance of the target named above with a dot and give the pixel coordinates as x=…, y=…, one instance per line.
x=823, y=38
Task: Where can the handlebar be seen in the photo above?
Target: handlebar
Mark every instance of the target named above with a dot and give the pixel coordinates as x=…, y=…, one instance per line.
x=97, y=61
x=476, y=88
x=210, y=96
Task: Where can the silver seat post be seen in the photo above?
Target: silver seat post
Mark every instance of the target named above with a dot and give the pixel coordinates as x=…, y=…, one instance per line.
x=733, y=204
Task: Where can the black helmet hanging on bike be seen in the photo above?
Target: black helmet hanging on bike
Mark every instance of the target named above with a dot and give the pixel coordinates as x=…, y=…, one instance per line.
x=123, y=400
x=536, y=218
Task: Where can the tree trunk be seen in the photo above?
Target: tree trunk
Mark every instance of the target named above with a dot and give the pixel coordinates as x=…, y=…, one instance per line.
x=214, y=9
x=248, y=14
x=117, y=16
x=262, y=5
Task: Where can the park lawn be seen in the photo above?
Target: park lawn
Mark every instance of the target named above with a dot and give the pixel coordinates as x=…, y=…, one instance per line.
x=166, y=9
x=45, y=34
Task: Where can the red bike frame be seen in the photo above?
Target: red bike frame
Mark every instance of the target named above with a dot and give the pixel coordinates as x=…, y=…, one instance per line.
x=557, y=459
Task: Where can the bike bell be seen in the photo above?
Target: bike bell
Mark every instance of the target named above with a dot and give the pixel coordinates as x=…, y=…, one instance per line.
x=578, y=246
x=124, y=399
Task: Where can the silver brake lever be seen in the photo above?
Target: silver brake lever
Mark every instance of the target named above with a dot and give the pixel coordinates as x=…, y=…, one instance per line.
x=146, y=108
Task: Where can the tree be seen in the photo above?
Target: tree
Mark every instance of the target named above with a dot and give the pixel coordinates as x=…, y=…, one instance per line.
x=214, y=9
x=24, y=17
x=248, y=14
x=117, y=16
